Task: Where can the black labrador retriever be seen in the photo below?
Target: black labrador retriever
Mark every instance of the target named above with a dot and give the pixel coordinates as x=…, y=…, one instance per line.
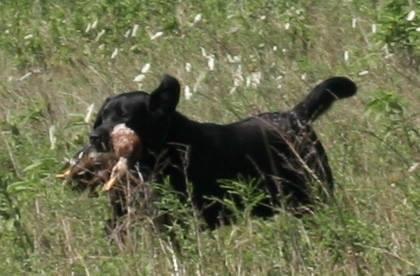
x=277, y=152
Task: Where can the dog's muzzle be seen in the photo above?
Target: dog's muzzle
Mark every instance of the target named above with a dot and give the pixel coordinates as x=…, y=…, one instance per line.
x=99, y=138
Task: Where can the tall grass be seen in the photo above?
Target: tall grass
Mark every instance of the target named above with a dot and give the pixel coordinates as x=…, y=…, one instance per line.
x=237, y=58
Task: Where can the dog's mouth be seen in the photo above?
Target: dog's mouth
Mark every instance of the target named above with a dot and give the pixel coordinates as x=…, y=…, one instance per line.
x=111, y=163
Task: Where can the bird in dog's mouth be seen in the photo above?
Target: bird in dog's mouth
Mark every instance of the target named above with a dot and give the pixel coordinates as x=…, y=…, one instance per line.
x=107, y=167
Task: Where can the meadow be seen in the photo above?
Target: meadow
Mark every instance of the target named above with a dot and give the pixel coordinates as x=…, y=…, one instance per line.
x=59, y=60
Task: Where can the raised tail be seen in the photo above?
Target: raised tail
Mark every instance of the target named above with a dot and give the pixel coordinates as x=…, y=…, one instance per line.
x=322, y=97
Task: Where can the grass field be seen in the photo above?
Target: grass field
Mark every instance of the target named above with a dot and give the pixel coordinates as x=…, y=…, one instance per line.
x=234, y=59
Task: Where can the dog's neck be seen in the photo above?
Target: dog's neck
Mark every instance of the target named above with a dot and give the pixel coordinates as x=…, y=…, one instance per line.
x=182, y=129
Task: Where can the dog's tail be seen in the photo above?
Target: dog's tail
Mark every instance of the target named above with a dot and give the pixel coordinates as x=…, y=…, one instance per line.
x=322, y=97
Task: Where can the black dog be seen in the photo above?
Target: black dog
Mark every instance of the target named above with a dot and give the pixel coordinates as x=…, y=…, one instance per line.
x=278, y=152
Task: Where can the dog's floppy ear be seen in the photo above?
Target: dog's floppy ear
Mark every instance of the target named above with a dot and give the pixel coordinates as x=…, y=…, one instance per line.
x=165, y=98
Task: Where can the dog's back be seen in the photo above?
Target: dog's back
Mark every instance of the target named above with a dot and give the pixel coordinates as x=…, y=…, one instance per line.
x=280, y=149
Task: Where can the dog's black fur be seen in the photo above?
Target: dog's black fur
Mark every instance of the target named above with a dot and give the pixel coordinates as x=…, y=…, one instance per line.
x=279, y=149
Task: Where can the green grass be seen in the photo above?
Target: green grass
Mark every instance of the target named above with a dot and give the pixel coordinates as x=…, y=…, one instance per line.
x=57, y=59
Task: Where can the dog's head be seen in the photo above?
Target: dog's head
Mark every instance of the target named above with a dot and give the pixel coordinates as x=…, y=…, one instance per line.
x=149, y=115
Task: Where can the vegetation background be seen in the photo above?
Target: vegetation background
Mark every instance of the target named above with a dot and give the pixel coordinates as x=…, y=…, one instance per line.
x=60, y=59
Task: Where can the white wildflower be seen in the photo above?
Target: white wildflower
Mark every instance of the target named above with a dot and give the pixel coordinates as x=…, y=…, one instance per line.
x=363, y=73
x=283, y=50
x=413, y=167
x=238, y=78
x=88, y=27
x=24, y=77
x=346, y=56
x=263, y=17
x=94, y=24
x=210, y=62
x=254, y=79
x=53, y=138
x=89, y=113
x=274, y=48
x=188, y=67
x=374, y=28
x=29, y=36
x=156, y=35
x=114, y=53
x=353, y=23
x=233, y=59
x=187, y=92
x=100, y=34
x=135, y=29
x=203, y=52
x=411, y=15
x=127, y=33
x=303, y=76
x=139, y=78
x=418, y=29
x=287, y=26
x=197, y=18
x=145, y=68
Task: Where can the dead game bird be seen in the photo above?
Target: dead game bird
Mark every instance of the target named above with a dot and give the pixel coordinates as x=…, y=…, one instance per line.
x=89, y=168
x=126, y=145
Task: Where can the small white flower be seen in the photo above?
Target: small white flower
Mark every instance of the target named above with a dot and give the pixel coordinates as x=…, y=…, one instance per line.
x=263, y=17
x=233, y=59
x=303, y=76
x=135, y=29
x=139, y=78
x=89, y=113
x=94, y=24
x=156, y=35
x=346, y=56
x=287, y=26
x=413, y=167
x=254, y=79
x=418, y=29
x=274, y=48
x=24, y=77
x=210, y=62
x=353, y=23
x=88, y=27
x=374, y=28
x=238, y=78
x=53, y=139
x=197, y=18
x=283, y=50
x=100, y=34
x=411, y=15
x=29, y=36
x=203, y=52
x=114, y=53
x=187, y=92
x=127, y=33
x=363, y=73
x=145, y=68
x=188, y=67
